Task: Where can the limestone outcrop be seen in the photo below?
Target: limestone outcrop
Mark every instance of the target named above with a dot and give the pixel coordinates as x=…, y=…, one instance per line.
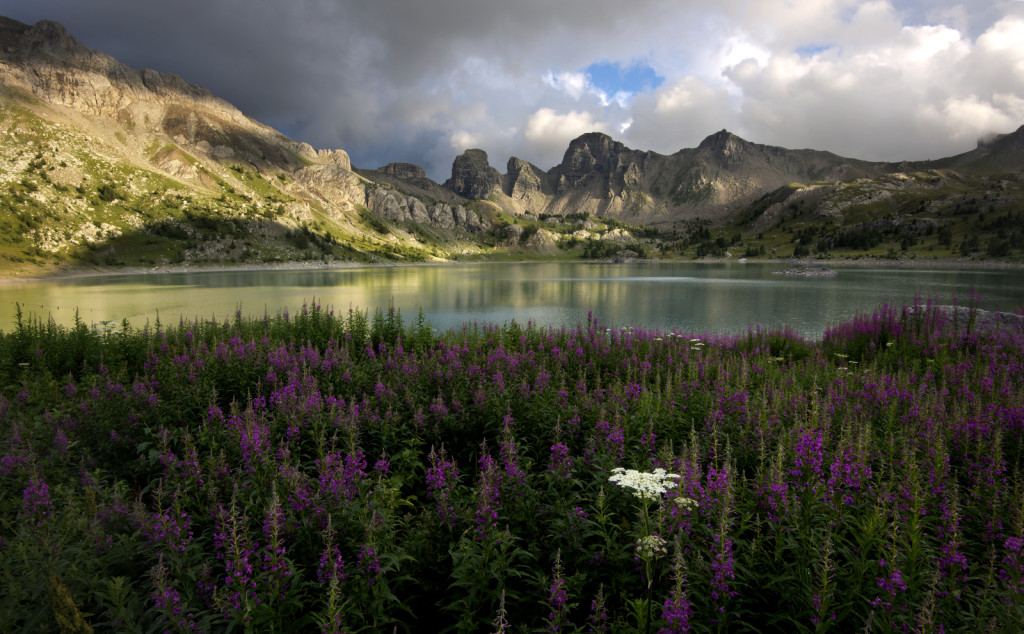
x=412, y=174
x=525, y=181
x=473, y=177
x=332, y=185
x=393, y=205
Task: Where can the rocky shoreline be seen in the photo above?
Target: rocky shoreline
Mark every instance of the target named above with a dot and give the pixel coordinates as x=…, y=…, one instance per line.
x=807, y=271
x=966, y=317
x=100, y=271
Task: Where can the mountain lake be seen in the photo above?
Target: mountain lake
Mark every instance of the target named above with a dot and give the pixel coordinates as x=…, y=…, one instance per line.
x=687, y=297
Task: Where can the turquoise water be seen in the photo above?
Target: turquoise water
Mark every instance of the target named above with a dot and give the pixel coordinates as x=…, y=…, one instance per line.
x=690, y=297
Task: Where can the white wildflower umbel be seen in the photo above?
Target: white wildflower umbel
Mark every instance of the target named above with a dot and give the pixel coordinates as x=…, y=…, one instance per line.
x=647, y=486
x=651, y=547
x=686, y=503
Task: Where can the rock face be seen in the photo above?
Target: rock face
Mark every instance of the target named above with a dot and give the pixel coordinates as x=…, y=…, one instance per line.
x=599, y=175
x=591, y=159
x=527, y=185
x=393, y=205
x=510, y=235
x=47, y=62
x=413, y=174
x=807, y=271
x=333, y=186
x=596, y=163
x=473, y=177
x=524, y=180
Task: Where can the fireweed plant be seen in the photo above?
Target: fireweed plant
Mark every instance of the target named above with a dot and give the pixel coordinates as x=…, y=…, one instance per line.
x=317, y=472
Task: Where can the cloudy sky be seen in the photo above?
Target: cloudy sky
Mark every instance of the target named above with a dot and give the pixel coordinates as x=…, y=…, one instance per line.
x=421, y=80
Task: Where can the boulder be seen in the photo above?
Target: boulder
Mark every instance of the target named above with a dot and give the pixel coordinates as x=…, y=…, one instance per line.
x=442, y=216
x=389, y=204
x=510, y=235
x=418, y=211
x=618, y=235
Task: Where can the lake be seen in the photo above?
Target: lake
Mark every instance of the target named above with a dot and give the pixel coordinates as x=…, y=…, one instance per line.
x=686, y=296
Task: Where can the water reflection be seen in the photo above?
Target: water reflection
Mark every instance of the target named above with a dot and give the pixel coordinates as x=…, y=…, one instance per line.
x=686, y=296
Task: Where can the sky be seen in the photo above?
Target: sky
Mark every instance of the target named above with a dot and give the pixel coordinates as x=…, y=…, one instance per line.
x=420, y=81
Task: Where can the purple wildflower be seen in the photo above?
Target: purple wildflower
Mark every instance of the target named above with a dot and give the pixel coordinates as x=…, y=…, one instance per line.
x=488, y=495
x=560, y=463
x=442, y=478
x=35, y=502
x=892, y=584
x=597, y=621
x=167, y=599
x=677, y=612
x=369, y=563
x=513, y=477
x=558, y=598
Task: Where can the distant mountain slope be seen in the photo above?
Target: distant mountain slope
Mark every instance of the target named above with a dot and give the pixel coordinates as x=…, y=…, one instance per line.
x=86, y=141
x=999, y=154
x=48, y=63
x=102, y=164
x=716, y=180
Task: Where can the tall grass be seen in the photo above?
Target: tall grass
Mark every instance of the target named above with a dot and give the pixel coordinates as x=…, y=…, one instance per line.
x=329, y=472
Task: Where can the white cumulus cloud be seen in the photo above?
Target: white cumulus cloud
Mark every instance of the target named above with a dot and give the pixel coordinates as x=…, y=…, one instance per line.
x=547, y=132
x=407, y=80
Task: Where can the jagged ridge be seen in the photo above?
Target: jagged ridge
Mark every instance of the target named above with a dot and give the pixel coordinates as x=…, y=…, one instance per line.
x=176, y=146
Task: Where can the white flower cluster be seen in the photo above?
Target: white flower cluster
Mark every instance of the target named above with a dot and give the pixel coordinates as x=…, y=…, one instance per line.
x=646, y=486
x=651, y=547
x=686, y=503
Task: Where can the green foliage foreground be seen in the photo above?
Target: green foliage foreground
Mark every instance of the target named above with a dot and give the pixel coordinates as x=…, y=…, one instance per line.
x=323, y=472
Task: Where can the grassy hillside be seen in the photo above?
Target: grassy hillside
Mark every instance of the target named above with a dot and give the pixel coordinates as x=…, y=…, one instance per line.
x=97, y=193
x=68, y=198
x=938, y=215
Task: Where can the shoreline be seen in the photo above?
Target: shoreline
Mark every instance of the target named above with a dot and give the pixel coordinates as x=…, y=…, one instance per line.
x=80, y=273
x=8, y=279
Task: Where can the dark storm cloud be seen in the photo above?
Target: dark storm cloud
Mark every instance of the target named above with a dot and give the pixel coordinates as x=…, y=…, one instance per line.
x=420, y=81
x=366, y=76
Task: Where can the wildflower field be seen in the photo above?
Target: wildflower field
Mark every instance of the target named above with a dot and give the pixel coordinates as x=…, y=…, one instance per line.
x=353, y=472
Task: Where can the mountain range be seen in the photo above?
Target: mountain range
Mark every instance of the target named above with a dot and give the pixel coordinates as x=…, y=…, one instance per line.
x=110, y=165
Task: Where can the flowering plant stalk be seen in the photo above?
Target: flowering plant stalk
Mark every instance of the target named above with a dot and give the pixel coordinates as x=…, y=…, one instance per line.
x=893, y=480
x=648, y=487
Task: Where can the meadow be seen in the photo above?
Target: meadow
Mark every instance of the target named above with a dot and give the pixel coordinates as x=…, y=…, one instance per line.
x=354, y=472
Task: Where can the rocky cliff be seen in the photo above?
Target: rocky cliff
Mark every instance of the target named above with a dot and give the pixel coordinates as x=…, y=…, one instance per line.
x=473, y=177
x=92, y=150
x=994, y=155
x=717, y=180
x=601, y=176
x=45, y=61
x=168, y=157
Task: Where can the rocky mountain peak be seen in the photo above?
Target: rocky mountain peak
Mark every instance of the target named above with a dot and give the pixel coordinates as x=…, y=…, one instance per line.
x=596, y=160
x=403, y=170
x=525, y=182
x=593, y=151
x=472, y=176
x=1005, y=150
x=46, y=60
x=44, y=39
x=1015, y=137
x=722, y=141
x=412, y=174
